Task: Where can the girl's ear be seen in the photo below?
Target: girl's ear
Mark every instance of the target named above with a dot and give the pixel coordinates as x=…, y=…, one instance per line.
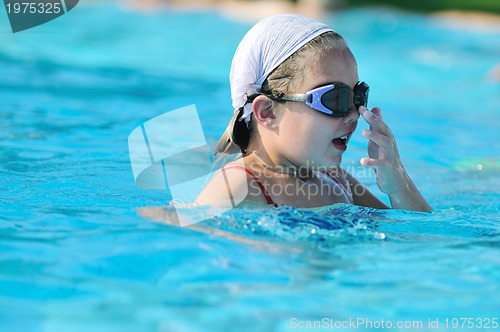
x=263, y=111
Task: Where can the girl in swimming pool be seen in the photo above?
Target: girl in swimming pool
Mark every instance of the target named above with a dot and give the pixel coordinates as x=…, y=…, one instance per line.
x=297, y=95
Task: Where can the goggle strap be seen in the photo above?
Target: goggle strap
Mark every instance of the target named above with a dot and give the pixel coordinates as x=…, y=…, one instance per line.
x=297, y=97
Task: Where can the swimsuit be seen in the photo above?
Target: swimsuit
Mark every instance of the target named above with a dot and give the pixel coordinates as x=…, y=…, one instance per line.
x=270, y=201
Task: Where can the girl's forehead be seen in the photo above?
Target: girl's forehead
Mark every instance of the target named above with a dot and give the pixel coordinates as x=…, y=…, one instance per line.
x=332, y=66
x=331, y=59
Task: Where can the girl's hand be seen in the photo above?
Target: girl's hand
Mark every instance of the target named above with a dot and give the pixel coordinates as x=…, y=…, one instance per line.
x=392, y=178
x=383, y=152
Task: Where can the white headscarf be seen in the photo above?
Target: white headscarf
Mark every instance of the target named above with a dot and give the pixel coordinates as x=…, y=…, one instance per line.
x=265, y=46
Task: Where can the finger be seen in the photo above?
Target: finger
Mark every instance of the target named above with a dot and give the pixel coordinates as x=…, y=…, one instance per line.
x=375, y=121
x=381, y=140
x=377, y=111
x=370, y=162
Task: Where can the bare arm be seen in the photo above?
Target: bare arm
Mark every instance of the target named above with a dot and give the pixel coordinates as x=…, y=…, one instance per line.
x=361, y=195
x=392, y=178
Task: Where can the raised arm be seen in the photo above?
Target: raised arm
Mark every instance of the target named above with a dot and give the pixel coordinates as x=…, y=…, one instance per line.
x=392, y=178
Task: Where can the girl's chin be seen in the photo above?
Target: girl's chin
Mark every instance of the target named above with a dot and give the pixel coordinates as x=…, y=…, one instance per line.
x=330, y=163
x=336, y=161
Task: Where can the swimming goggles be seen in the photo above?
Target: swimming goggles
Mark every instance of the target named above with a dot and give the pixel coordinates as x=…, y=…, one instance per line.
x=334, y=99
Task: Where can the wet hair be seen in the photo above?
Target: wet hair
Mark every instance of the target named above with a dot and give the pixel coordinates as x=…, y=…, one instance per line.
x=283, y=80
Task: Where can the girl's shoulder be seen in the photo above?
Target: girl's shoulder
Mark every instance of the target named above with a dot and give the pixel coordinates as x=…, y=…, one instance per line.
x=231, y=186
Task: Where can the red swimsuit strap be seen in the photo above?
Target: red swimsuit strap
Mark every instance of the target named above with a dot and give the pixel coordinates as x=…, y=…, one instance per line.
x=269, y=200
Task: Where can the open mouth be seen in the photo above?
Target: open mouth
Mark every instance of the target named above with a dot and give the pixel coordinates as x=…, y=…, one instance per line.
x=341, y=142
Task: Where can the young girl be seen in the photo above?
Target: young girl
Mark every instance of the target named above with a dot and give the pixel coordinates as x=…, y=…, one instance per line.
x=298, y=98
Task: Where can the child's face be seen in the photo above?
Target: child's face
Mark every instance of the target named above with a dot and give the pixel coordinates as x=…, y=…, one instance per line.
x=308, y=137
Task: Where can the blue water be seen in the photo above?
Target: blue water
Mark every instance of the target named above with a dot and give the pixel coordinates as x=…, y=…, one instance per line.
x=76, y=256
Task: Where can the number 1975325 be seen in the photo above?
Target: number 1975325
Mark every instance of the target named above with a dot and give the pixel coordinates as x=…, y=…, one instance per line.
x=33, y=8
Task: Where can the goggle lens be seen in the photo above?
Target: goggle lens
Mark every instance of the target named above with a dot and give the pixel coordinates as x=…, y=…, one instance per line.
x=339, y=100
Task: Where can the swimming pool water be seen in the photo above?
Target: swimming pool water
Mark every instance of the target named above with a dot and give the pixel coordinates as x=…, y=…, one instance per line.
x=76, y=256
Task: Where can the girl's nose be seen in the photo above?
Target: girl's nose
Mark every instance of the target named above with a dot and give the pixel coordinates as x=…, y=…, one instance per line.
x=352, y=116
